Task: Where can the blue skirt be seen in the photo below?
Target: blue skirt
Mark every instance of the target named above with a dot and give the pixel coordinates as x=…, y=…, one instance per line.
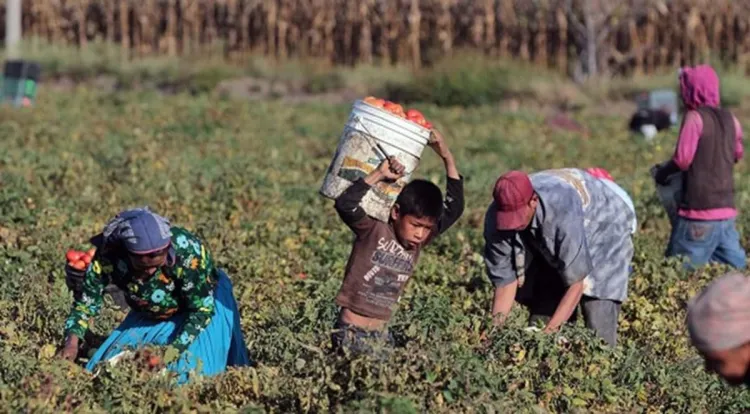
x=219, y=345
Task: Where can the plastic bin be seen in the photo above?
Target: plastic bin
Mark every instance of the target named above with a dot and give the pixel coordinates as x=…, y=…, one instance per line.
x=368, y=133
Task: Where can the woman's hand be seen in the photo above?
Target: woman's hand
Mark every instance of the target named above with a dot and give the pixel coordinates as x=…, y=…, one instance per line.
x=70, y=350
x=74, y=279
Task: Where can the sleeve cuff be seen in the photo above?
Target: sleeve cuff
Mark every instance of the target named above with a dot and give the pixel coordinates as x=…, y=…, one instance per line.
x=498, y=283
x=76, y=332
x=577, y=272
x=361, y=183
x=450, y=180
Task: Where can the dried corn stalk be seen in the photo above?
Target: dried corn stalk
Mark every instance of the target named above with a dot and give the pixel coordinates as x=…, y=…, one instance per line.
x=645, y=36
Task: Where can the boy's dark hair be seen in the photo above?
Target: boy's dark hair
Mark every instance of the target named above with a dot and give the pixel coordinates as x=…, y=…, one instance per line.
x=421, y=198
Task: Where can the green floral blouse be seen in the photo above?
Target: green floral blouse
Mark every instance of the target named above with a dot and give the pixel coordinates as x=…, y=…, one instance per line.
x=186, y=286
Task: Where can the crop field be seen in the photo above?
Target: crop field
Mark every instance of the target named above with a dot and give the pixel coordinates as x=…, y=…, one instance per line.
x=245, y=177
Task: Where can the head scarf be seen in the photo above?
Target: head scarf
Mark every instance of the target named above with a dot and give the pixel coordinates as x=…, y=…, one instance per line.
x=138, y=230
x=719, y=317
x=699, y=86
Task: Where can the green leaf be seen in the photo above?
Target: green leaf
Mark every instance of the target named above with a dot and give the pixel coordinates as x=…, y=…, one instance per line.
x=171, y=354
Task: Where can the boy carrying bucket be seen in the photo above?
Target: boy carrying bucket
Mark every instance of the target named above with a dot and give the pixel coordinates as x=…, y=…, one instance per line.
x=384, y=255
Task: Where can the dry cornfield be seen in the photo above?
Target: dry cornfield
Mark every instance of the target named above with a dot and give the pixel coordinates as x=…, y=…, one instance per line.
x=628, y=35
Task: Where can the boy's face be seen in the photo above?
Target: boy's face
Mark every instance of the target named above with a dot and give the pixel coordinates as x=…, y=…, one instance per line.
x=411, y=231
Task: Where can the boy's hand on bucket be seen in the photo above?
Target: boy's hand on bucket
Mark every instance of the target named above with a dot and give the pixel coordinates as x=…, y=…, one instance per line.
x=437, y=143
x=392, y=169
x=389, y=170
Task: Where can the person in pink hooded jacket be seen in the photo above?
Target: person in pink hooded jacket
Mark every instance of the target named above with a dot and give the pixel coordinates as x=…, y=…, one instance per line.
x=709, y=145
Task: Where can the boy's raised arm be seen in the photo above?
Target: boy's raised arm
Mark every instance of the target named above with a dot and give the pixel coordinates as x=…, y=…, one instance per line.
x=454, y=192
x=347, y=204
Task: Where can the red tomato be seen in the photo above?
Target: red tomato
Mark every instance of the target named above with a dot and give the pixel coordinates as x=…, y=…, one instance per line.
x=91, y=252
x=428, y=124
x=153, y=361
x=371, y=100
x=416, y=120
x=393, y=106
x=79, y=265
x=73, y=255
x=86, y=259
x=413, y=113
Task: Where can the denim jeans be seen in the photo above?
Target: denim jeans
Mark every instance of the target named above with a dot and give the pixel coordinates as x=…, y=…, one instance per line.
x=706, y=241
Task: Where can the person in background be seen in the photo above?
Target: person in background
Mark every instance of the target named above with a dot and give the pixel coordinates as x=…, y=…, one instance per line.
x=718, y=320
x=709, y=145
x=650, y=122
x=384, y=255
x=557, y=239
x=178, y=298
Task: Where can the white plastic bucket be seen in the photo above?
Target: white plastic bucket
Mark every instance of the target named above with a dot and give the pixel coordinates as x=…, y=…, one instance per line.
x=368, y=132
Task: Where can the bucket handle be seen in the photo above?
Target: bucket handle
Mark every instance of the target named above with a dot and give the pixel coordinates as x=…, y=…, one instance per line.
x=369, y=136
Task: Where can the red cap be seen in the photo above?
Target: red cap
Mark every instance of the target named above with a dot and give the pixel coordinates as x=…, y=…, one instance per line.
x=512, y=193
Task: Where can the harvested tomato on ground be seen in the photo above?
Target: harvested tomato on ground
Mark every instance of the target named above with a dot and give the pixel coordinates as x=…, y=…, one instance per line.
x=154, y=361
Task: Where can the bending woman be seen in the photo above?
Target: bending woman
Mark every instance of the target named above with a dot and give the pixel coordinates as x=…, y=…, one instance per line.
x=176, y=295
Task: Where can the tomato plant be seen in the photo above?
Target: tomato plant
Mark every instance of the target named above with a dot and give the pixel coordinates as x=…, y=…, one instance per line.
x=245, y=176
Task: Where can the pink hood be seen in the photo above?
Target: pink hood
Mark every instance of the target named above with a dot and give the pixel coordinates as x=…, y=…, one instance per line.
x=699, y=86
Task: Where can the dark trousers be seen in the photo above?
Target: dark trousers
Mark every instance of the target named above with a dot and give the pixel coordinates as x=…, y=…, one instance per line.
x=360, y=341
x=546, y=292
